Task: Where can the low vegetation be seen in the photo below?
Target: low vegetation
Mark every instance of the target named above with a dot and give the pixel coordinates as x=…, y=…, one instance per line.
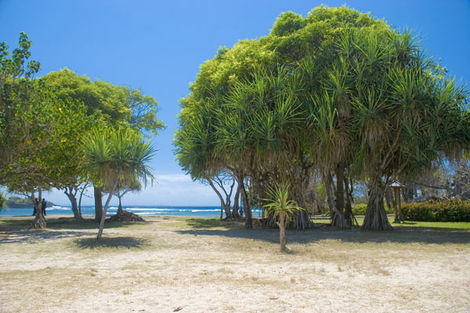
x=437, y=211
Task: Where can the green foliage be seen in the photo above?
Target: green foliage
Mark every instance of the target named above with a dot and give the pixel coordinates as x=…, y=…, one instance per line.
x=117, y=154
x=279, y=201
x=320, y=192
x=336, y=92
x=287, y=23
x=437, y=211
x=17, y=100
x=116, y=105
x=359, y=209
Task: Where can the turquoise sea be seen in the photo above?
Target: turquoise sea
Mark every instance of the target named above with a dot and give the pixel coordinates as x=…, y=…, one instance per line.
x=194, y=211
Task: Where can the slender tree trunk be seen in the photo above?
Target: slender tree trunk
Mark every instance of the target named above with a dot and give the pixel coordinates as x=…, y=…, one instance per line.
x=337, y=219
x=328, y=181
x=73, y=201
x=80, y=199
x=98, y=203
x=246, y=205
x=376, y=217
x=302, y=217
x=388, y=196
x=119, y=211
x=103, y=217
x=348, y=215
x=39, y=219
x=222, y=202
x=236, y=201
x=282, y=231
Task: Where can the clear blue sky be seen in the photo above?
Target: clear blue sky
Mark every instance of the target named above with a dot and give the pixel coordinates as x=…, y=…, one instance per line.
x=157, y=46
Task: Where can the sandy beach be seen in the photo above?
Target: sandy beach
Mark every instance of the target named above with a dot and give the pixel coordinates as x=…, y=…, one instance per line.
x=173, y=264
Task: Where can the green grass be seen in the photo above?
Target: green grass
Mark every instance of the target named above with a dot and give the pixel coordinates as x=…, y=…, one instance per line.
x=456, y=225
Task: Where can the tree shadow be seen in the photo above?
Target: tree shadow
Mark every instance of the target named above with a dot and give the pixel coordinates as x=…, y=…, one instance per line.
x=111, y=242
x=33, y=236
x=400, y=234
x=59, y=223
x=20, y=230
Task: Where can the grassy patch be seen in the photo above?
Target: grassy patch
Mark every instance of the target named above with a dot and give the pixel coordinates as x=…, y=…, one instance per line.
x=456, y=225
x=198, y=223
x=360, y=220
x=111, y=242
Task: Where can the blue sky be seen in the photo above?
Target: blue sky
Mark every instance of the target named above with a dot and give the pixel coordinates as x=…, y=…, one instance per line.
x=158, y=46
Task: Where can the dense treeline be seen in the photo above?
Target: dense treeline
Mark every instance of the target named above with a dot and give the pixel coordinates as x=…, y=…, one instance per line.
x=337, y=97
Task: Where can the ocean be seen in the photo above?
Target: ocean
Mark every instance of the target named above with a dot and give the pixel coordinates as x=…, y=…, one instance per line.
x=193, y=211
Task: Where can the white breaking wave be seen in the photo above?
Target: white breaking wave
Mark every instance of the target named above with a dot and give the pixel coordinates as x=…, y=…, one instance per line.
x=148, y=209
x=56, y=207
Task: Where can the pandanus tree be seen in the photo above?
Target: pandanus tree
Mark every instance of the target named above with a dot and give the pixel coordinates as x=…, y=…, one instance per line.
x=116, y=156
x=370, y=107
x=406, y=115
x=261, y=126
x=279, y=205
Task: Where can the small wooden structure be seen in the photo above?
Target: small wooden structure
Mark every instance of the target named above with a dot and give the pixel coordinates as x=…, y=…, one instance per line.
x=396, y=186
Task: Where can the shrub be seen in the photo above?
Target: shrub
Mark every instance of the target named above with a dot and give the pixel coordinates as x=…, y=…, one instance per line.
x=437, y=211
x=359, y=209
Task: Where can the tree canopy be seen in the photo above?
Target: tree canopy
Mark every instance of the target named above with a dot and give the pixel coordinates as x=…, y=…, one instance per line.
x=336, y=93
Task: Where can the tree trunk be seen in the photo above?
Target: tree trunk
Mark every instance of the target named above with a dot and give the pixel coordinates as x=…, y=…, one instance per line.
x=337, y=219
x=348, y=215
x=328, y=181
x=302, y=217
x=73, y=201
x=98, y=203
x=80, y=199
x=376, y=217
x=246, y=205
x=409, y=192
x=282, y=231
x=119, y=211
x=39, y=221
x=222, y=202
x=103, y=216
x=236, y=201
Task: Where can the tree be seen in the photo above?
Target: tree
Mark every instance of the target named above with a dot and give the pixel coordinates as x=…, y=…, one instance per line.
x=281, y=207
x=108, y=104
x=234, y=100
x=337, y=93
x=16, y=100
x=116, y=156
x=124, y=187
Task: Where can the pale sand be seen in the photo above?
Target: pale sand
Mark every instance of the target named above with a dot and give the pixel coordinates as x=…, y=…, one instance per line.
x=165, y=265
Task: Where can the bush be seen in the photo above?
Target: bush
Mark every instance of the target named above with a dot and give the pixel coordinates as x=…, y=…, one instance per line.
x=437, y=211
x=359, y=209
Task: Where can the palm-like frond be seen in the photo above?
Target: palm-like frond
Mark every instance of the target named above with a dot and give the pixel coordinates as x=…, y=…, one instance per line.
x=279, y=201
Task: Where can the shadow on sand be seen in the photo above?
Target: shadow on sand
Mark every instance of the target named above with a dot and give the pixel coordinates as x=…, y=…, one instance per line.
x=400, y=234
x=19, y=230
